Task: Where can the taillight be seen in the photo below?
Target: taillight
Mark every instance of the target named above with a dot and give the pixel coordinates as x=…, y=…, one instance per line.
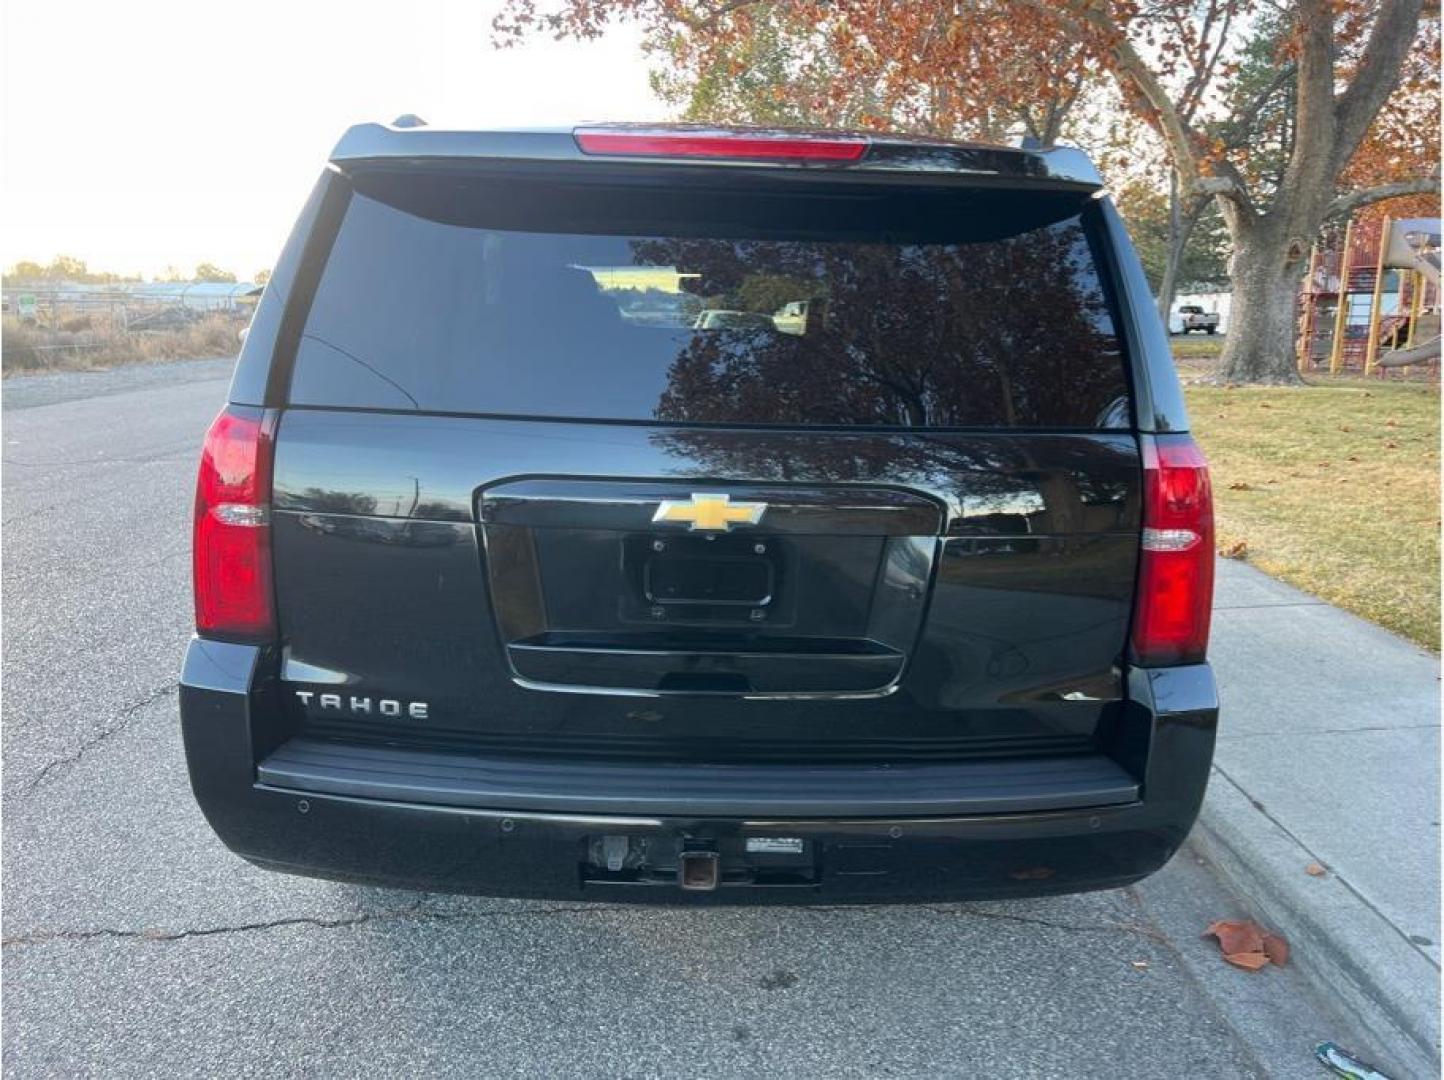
x=232, y=540
x=1175, y=579
x=740, y=146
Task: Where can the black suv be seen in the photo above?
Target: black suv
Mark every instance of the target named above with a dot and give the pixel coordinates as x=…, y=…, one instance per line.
x=676, y=513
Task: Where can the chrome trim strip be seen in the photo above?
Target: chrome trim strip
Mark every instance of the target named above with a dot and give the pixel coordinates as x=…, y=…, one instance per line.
x=630, y=692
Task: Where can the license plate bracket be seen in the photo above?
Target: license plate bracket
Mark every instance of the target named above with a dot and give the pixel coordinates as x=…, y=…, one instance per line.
x=713, y=576
x=707, y=578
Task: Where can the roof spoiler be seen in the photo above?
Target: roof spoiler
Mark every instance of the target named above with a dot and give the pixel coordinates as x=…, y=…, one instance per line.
x=405, y=141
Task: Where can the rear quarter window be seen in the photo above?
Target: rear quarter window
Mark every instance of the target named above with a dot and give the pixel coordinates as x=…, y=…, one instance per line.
x=791, y=312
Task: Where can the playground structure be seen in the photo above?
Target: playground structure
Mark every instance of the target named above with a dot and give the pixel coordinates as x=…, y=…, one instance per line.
x=1370, y=303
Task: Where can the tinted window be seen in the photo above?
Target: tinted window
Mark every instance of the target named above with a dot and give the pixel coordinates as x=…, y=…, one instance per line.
x=422, y=306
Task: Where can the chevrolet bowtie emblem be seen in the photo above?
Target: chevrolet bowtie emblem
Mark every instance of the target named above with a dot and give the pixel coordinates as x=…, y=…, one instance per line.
x=710, y=513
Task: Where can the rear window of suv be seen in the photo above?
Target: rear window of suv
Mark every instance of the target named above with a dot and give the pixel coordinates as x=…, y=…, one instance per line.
x=714, y=306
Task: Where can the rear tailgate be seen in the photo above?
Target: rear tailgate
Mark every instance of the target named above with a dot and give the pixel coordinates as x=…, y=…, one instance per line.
x=530, y=499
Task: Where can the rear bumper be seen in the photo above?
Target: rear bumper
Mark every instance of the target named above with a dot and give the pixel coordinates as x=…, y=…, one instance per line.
x=278, y=818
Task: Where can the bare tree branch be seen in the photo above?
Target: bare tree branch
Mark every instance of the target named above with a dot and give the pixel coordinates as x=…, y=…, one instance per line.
x=1353, y=200
x=707, y=19
x=1233, y=186
x=1192, y=95
x=1086, y=16
x=1045, y=122
x=1240, y=128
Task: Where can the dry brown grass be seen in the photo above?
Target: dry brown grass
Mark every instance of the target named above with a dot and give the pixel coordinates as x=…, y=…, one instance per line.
x=1190, y=347
x=87, y=342
x=1333, y=488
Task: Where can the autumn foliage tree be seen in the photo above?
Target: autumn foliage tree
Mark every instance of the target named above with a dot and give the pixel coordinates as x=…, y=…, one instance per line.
x=1404, y=137
x=1335, y=118
x=1341, y=62
x=833, y=64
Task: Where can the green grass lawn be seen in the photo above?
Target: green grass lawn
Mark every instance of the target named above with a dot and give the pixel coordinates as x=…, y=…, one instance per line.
x=1333, y=488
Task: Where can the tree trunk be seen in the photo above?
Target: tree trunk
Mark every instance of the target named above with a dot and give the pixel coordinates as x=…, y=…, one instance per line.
x=1182, y=220
x=1169, y=284
x=1261, y=346
x=1178, y=245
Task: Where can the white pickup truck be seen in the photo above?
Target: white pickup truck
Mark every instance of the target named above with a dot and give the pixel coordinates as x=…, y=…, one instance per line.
x=1192, y=317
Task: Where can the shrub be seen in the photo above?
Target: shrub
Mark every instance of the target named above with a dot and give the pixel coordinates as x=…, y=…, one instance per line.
x=101, y=340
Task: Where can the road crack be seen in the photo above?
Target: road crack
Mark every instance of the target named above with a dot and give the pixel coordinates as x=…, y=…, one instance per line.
x=417, y=914
x=1107, y=927
x=120, y=722
x=412, y=914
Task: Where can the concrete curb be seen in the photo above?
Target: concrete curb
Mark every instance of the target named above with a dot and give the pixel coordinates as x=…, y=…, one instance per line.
x=1351, y=955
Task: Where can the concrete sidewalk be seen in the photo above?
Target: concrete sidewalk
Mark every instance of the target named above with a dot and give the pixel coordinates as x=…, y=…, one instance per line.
x=1328, y=752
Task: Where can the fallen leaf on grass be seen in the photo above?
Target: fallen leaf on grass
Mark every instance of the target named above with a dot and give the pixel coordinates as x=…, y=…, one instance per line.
x=1345, y=427
x=1247, y=945
x=1240, y=485
x=1264, y=405
x=1391, y=422
x=1391, y=445
x=1237, y=550
x=1315, y=870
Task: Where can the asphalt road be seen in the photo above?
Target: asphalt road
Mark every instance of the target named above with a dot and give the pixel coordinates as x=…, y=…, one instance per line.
x=135, y=944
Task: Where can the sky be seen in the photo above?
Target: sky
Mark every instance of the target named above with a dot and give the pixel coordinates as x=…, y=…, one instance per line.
x=153, y=133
